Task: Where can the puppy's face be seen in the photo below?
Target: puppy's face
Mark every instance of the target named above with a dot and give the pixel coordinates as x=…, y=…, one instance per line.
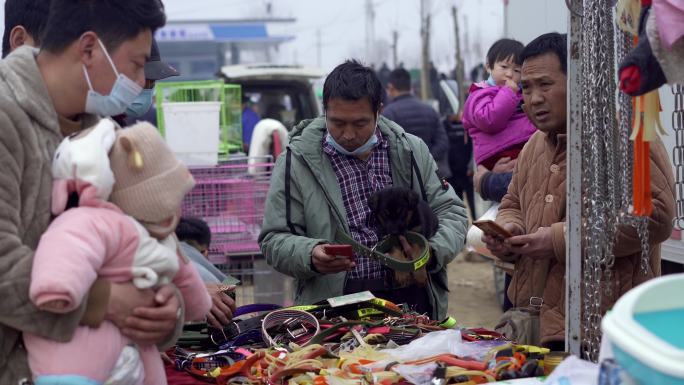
x=393, y=209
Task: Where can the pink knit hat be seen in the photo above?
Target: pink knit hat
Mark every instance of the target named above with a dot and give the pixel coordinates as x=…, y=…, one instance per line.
x=150, y=181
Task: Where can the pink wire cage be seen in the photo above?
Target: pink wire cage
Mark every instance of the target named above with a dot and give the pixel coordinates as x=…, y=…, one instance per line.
x=231, y=197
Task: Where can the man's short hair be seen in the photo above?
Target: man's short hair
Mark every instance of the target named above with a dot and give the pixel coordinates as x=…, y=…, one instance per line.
x=194, y=230
x=353, y=81
x=504, y=49
x=554, y=43
x=30, y=14
x=400, y=79
x=114, y=21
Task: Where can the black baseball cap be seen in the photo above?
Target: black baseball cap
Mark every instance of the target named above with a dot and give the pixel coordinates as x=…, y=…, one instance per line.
x=155, y=68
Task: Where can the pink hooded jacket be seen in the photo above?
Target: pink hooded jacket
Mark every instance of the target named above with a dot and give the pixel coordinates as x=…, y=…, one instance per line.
x=97, y=240
x=494, y=120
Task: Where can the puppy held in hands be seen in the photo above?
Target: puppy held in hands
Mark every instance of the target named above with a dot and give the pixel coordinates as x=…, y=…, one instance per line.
x=398, y=210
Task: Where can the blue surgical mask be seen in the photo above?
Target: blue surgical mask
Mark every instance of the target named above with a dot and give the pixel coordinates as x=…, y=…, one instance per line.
x=141, y=104
x=123, y=93
x=364, y=148
x=491, y=81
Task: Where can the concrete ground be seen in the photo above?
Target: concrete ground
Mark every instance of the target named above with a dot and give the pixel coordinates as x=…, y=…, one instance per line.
x=472, y=297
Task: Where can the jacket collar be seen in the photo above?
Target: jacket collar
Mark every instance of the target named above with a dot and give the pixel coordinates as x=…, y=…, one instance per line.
x=407, y=95
x=20, y=71
x=556, y=139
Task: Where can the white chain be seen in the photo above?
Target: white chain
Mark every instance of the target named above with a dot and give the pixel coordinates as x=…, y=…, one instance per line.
x=678, y=151
x=604, y=148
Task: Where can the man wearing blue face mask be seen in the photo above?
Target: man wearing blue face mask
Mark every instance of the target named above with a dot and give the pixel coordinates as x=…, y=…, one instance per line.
x=321, y=187
x=142, y=107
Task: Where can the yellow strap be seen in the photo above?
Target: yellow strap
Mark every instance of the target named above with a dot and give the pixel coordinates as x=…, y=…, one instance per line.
x=448, y=323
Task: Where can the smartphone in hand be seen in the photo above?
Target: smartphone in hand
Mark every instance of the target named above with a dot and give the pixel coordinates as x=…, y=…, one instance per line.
x=492, y=229
x=341, y=250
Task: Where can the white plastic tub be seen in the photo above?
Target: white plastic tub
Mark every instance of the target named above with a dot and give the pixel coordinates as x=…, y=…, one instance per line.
x=645, y=329
x=192, y=131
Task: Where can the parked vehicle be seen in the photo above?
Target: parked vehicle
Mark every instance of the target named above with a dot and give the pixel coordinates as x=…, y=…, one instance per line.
x=284, y=93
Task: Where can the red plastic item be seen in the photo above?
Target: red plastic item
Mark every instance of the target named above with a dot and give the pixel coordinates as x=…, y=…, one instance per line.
x=630, y=79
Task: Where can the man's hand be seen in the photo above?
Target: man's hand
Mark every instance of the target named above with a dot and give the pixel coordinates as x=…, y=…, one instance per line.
x=512, y=85
x=505, y=164
x=123, y=298
x=144, y=316
x=500, y=247
x=222, y=308
x=481, y=171
x=537, y=245
x=330, y=264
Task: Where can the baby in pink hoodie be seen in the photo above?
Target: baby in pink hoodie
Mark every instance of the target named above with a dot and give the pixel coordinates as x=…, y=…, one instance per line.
x=493, y=113
x=129, y=187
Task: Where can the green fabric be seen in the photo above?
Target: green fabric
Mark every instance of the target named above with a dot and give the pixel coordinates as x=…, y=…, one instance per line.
x=317, y=210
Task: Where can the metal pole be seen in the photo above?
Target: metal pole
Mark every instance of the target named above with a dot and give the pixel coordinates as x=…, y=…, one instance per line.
x=425, y=53
x=573, y=244
x=395, y=42
x=319, y=47
x=460, y=70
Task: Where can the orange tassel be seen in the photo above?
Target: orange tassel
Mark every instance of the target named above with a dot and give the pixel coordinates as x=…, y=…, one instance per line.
x=643, y=204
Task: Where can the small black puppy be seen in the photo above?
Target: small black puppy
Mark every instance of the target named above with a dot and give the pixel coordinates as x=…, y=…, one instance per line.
x=399, y=209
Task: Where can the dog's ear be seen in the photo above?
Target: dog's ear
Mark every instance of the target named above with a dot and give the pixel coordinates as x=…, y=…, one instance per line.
x=411, y=198
x=373, y=202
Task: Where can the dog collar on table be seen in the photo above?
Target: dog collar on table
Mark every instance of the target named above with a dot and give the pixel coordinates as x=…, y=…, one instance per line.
x=299, y=325
x=255, y=308
x=374, y=307
x=227, y=335
x=387, y=260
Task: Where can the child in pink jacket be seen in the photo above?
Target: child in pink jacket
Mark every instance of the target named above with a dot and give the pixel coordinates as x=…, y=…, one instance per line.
x=493, y=113
x=129, y=238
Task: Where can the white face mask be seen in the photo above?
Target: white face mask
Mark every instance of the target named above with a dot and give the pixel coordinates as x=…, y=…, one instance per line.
x=123, y=93
x=364, y=148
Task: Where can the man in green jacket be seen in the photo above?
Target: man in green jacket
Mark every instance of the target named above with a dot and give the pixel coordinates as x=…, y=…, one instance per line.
x=320, y=188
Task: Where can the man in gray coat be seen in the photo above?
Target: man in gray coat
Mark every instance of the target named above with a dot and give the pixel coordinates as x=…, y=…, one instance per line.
x=321, y=185
x=87, y=50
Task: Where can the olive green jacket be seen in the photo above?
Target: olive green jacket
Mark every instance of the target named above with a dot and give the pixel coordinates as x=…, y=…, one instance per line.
x=317, y=210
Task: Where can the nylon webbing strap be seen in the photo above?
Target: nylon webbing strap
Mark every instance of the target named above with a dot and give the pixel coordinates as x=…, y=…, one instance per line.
x=395, y=264
x=414, y=164
x=288, y=197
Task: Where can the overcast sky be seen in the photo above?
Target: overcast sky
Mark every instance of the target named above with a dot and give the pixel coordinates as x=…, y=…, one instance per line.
x=343, y=24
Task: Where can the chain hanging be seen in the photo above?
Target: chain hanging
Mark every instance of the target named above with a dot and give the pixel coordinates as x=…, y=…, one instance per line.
x=678, y=151
x=623, y=47
x=604, y=149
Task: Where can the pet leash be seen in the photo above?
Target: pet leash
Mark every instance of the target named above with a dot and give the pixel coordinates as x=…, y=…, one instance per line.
x=393, y=263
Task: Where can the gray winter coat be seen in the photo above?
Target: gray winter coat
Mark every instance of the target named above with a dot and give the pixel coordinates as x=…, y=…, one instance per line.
x=421, y=120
